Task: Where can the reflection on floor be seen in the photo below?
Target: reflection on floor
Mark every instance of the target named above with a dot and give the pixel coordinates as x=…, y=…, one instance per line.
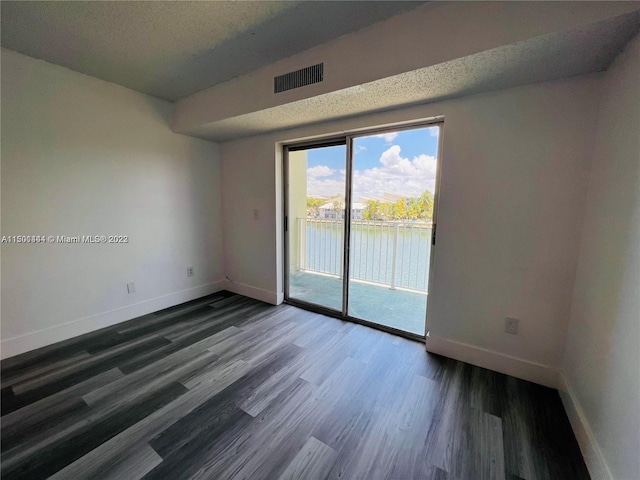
x=393, y=308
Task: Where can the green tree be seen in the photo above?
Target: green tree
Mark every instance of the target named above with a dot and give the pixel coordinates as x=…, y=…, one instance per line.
x=313, y=205
x=399, y=210
x=425, y=202
x=413, y=209
x=373, y=210
x=338, y=207
x=410, y=208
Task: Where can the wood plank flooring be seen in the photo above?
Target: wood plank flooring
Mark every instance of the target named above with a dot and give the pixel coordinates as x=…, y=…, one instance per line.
x=227, y=387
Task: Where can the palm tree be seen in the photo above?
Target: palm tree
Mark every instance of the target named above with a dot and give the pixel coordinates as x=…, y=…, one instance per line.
x=426, y=205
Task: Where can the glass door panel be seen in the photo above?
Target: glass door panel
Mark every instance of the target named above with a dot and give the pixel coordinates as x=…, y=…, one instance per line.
x=315, y=209
x=392, y=192
x=384, y=185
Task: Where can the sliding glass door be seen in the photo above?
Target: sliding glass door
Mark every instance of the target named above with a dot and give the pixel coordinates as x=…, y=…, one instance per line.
x=315, y=217
x=393, y=186
x=360, y=216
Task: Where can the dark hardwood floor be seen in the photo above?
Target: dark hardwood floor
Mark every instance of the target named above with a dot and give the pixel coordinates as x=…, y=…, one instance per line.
x=228, y=387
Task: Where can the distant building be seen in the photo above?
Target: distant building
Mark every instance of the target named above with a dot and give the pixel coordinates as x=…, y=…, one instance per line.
x=328, y=211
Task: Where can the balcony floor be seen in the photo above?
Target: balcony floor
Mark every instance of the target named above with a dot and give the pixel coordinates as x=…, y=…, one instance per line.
x=375, y=303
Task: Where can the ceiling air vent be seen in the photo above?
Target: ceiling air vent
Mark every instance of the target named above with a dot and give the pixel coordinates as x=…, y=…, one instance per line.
x=299, y=78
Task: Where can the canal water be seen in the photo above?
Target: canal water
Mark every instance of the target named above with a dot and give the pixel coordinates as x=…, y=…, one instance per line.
x=387, y=253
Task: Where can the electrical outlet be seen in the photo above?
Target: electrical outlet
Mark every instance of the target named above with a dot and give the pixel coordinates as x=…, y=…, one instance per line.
x=131, y=287
x=511, y=325
x=189, y=271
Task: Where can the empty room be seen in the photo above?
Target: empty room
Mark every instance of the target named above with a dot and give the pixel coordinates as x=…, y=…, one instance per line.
x=320, y=240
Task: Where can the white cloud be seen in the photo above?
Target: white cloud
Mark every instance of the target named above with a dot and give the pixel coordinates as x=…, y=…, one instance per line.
x=320, y=171
x=433, y=131
x=388, y=137
x=396, y=174
x=326, y=187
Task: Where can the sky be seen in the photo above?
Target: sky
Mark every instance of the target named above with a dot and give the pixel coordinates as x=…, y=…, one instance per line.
x=394, y=162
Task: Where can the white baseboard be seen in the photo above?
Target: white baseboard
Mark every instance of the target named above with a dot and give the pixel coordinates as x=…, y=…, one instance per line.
x=41, y=338
x=593, y=458
x=492, y=360
x=254, y=292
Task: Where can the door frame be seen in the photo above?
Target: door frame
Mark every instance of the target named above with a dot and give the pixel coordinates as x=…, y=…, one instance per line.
x=346, y=138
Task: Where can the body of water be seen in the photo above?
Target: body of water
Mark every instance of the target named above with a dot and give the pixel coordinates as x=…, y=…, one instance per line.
x=377, y=249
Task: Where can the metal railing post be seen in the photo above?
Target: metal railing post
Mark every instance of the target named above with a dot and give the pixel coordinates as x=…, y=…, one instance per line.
x=393, y=257
x=302, y=243
x=322, y=253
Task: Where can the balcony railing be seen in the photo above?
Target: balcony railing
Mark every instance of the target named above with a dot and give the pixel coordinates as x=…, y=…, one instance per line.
x=391, y=253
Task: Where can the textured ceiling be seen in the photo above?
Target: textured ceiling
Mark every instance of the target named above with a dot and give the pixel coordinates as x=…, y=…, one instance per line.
x=173, y=49
x=546, y=58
